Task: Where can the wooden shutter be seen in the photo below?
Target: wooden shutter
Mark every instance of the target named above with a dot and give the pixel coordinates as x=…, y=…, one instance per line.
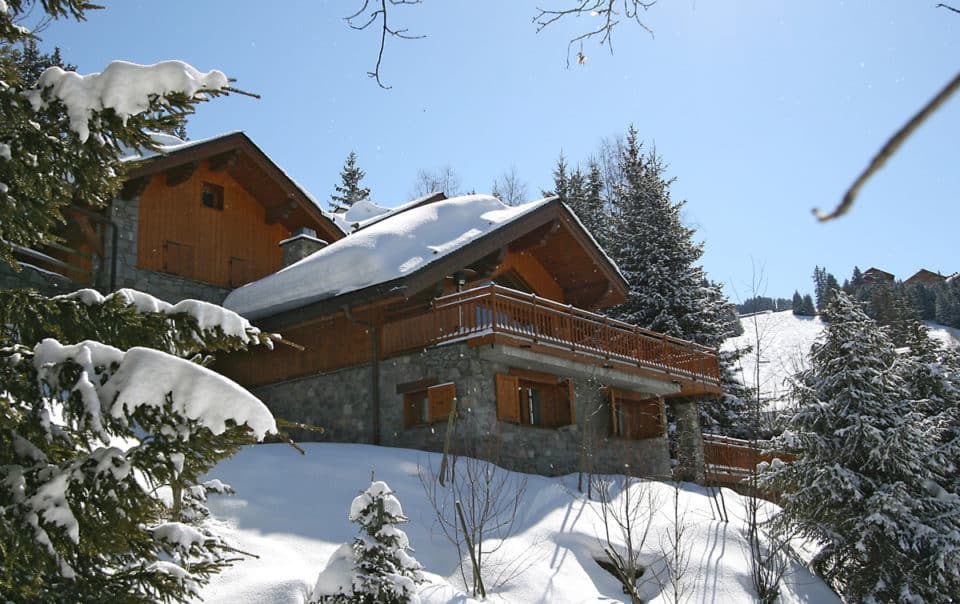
x=508, y=398
x=178, y=258
x=614, y=420
x=441, y=400
x=649, y=418
x=241, y=271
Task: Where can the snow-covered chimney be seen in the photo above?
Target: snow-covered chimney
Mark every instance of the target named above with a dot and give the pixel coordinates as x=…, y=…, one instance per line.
x=301, y=244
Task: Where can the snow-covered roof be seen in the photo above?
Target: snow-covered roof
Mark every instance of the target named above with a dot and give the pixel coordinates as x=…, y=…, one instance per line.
x=394, y=247
x=169, y=143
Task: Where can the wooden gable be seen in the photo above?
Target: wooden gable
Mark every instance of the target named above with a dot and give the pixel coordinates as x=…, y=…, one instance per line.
x=216, y=211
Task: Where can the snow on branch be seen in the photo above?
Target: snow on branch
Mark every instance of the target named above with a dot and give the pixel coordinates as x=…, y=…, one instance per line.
x=115, y=383
x=127, y=88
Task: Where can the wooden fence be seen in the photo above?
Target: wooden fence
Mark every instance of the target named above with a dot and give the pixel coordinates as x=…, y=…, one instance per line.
x=732, y=460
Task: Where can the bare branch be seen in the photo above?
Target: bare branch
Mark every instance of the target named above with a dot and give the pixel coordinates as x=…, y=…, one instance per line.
x=380, y=14
x=610, y=13
x=891, y=147
x=948, y=7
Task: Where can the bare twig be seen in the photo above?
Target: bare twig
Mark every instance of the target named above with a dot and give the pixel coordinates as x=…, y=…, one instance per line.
x=948, y=7
x=379, y=14
x=891, y=147
x=609, y=13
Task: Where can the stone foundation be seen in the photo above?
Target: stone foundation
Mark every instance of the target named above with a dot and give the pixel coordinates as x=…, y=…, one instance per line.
x=340, y=401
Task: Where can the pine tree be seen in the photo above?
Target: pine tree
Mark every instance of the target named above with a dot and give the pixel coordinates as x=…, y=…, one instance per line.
x=349, y=191
x=864, y=483
x=808, y=308
x=657, y=255
x=797, y=303
x=384, y=571
x=105, y=402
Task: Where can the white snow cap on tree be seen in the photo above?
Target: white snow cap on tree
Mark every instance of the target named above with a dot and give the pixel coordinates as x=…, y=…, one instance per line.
x=127, y=88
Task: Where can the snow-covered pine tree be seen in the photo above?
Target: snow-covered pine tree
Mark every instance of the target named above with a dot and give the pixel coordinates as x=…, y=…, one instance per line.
x=657, y=255
x=107, y=415
x=349, y=191
x=809, y=310
x=384, y=571
x=865, y=483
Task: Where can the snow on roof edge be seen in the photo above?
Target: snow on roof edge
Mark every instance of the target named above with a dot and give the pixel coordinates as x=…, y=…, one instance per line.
x=271, y=295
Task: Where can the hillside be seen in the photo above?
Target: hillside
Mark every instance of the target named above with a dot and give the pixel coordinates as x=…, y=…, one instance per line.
x=291, y=511
x=785, y=341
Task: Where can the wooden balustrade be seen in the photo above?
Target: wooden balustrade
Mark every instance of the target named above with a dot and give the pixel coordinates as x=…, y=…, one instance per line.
x=732, y=459
x=498, y=310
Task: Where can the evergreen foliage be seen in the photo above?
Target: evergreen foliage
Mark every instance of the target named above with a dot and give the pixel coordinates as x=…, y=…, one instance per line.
x=763, y=303
x=349, y=191
x=870, y=481
x=625, y=203
x=108, y=417
x=383, y=570
x=49, y=160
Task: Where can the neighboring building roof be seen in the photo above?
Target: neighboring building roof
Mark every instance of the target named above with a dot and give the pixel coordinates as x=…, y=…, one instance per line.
x=409, y=251
x=926, y=277
x=286, y=202
x=875, y=274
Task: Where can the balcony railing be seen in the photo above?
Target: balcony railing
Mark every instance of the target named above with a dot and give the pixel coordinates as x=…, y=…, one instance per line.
x=496, y=310
x=733, y=460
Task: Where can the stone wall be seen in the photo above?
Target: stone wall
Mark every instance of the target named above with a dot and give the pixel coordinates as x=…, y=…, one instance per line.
x=340, y=401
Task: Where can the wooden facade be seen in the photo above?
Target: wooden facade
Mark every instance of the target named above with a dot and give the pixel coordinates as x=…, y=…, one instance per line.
x=226, y=242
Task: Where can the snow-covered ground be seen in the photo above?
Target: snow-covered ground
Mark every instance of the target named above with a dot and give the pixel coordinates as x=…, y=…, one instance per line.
x=291, y=511
x=785, y=341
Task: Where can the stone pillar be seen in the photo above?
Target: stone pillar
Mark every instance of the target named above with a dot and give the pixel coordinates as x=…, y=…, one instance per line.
x=686, y=413
x=301, y=244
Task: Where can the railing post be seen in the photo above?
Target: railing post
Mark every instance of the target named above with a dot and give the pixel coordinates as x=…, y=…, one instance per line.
x=434, y=335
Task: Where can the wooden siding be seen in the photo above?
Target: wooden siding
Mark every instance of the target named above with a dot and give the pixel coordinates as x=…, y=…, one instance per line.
x=238, y=231
x=332, y=343
x=533, y=273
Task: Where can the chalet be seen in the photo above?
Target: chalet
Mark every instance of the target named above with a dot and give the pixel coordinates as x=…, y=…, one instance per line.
x=406, y=314
x=925, y=277
x=875, y=275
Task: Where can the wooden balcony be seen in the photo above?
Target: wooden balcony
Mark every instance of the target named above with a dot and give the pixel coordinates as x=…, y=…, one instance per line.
x=732, y=461
x=495, y=314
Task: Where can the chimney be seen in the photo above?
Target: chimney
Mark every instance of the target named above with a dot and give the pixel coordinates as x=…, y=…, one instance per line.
x=300, y=244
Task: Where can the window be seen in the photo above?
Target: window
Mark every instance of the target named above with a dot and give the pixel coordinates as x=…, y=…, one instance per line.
x=634, y=416
x=212, y=196
x=241, y=271
x=426, y=402
x=178, y=258
x=534, y=399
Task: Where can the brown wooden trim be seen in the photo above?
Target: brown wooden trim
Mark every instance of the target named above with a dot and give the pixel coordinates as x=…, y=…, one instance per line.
x=181, y=173
x=223, y=161
x=132, y=188
x=688, y=387
x=535, y=376
x=422, y=384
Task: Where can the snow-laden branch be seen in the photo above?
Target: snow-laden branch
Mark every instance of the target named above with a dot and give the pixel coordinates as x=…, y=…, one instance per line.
x=126, y=88
x=115, y=383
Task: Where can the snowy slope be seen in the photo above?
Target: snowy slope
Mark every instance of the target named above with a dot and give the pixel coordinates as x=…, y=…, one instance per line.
x=291, y=511
x=785, y=341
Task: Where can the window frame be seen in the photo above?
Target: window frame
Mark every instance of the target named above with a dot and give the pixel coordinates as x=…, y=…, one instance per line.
x=628, y=410
x=555, y=399
x=426, y=402
x=216, y=192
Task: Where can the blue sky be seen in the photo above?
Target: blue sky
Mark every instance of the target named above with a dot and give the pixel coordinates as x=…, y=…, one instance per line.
x=763, y=110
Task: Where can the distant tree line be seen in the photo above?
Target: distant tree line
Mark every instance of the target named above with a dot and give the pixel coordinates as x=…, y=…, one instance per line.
x=763, y=303
x=889, y=302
